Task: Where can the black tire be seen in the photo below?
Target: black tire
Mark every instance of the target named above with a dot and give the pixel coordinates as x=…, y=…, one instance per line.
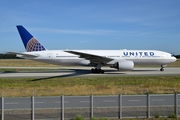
x=162, y=69
x=92, y=70
x=102, y=71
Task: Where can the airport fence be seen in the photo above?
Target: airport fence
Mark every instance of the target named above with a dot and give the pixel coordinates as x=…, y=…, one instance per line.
x=67, y=107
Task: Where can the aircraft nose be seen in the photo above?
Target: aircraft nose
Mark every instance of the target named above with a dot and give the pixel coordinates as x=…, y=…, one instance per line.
x=174, y=59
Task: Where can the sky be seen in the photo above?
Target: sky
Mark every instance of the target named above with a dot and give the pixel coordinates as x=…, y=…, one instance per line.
x=92, y=24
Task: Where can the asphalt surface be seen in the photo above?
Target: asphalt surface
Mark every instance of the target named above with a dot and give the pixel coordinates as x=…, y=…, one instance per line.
x=85, y=72
x=85, y=101
x=47, y=108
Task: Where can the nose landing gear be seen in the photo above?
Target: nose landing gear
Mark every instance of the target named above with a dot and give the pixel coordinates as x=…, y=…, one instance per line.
x=162, y=67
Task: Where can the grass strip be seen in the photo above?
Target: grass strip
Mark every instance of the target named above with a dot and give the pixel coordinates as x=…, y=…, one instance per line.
x=13, y=87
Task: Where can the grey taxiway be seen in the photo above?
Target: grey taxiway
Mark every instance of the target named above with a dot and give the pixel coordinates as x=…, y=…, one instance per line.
x=85, y=72
x=84, y=101
x=100, y=106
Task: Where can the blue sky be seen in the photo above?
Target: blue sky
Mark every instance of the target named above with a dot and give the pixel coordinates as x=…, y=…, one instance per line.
x=92, y=24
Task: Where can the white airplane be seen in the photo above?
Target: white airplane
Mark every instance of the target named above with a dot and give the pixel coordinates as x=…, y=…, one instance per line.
x=119, y=59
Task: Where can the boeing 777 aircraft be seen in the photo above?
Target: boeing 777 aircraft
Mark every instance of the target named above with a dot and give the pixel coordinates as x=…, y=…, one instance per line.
x=119, y=59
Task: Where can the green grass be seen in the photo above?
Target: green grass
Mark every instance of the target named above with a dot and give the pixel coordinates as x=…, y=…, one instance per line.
x=85, y=86
x=13, y=70
x=23, y=63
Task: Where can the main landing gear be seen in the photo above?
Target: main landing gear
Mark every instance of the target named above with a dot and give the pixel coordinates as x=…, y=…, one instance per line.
x=162, y=67
x=97, y=69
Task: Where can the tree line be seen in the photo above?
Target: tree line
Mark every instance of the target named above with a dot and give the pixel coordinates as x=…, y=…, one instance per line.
x=13, y=56
x=8, y=56
x=177, y=56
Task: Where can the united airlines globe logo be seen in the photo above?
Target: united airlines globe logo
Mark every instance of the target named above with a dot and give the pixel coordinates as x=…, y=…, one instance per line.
x=34, y=45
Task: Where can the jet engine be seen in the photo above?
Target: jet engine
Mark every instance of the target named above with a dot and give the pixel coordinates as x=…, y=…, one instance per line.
x=84, y=62
x=123, y=65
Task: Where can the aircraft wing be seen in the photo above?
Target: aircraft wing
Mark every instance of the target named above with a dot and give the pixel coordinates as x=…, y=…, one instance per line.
x=93, y=58
x=23, y=54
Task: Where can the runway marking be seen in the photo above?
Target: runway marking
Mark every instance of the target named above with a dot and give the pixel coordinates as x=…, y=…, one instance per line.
x=109, y=101
x=84, y=101
x=10, y=103
x=157, y=100
x=60, y=102
x=38, y=102
x=134, y=100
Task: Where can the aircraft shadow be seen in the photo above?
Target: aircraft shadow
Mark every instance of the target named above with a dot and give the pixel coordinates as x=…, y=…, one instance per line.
x=75, y=73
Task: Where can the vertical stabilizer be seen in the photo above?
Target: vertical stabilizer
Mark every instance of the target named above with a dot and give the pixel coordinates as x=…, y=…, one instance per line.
x=30, y=43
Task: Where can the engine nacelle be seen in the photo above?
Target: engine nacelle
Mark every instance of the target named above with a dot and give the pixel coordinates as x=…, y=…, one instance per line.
x=123, y=65
x=84, y=63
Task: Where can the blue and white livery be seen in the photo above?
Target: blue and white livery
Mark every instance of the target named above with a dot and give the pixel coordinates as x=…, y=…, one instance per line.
x=119, y=59
x=30, y=43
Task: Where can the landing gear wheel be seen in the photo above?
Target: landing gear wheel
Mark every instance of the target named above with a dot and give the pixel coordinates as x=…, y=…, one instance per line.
x=97, y=71
x=92, y=70
x=102, y=71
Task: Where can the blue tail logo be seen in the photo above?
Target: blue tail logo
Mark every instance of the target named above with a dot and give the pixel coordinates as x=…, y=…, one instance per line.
x=30, y=43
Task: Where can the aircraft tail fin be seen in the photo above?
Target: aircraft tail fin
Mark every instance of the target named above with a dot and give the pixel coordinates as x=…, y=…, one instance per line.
x=30, y=43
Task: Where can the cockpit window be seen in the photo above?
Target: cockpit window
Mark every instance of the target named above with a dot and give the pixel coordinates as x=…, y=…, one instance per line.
x=172, y=55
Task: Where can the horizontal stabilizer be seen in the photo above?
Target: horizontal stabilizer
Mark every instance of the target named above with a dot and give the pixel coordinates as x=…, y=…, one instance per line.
x=25, y=55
